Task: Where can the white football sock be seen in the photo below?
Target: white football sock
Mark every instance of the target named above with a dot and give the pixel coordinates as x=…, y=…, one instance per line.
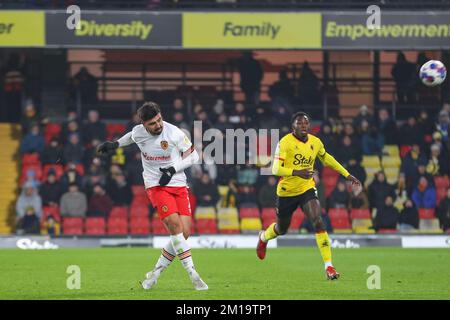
x=183, y=251
x=328, y=264
x=166, y=257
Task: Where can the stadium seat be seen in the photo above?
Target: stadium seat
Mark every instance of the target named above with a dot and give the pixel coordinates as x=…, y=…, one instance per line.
x=158, y=226
x=268, y=216
x=117, y=226
x=404, y=149
x=371, y=162
x=206, y=226
x=297, y=219
x=139, y=210
x=119, y=212
x=57, y=168
x=429, y=226
x=329, y=172
x=95, y=226
x=51, y=211
x=138, y=191
x=251, y=224
x=139, y=225
x=205, y=213
x=31, y=158
x=362, y=225
x=391, y=150
x=391, y=162
x=114, y=128
x=249, y=213
x=340, y=223
x=140, y=201
x=441, y=193
x=338, y=213
x=229, y=231
x=387, y=231
x=36, y=168
x=360, y=214
x=442, y=182
x=51, y=130
x=72, y=225
x=426, y=213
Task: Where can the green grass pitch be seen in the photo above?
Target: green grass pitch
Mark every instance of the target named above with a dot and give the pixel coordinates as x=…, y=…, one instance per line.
x=287, y=273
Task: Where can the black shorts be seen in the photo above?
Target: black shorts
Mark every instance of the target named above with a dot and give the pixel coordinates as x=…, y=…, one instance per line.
x=287, y=205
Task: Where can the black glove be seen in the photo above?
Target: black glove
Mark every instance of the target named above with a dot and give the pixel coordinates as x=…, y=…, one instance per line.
x=107, y=146
x=166, y=176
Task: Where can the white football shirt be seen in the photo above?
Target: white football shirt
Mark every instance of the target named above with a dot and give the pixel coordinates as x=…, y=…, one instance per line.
x=161, y=151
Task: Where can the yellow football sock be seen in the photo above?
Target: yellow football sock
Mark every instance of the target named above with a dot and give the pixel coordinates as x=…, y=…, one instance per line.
x=270, y=232
x=323, y=242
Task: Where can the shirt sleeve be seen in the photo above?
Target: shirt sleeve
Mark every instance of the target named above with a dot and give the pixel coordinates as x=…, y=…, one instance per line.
x=126, y=140
x=278, y=168
x=329, y=161
x=182, y=141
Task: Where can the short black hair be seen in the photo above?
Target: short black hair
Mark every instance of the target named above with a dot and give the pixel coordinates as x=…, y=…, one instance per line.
x=148, y=111
x=298, y=115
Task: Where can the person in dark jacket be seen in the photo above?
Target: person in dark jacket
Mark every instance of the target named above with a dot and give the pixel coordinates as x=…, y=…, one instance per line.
x=51, y=191
x=74, y=150
x=251, y=73
x=94, y=128
x=410, y=133
x=340, y=197
x=443, y=211
x=348, y=150
x=268, y=193
x=387, y=127
x=100, y=203
x=33, y=142
x=120, y=191
x=379, y=190
x=409, y=217
x=357, y=170
x=29, y=224
x=206, y=192
x=387, y=215
x=52, y=153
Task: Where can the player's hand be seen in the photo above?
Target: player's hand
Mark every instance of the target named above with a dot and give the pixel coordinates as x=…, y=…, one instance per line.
x=166, y=176
x=304, y=173
x=107, y=146
x=356, y=184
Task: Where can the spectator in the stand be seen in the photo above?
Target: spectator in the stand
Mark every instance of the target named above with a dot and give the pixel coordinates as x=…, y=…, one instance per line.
x=424, y=195
x=438, y=162
x=70, y=176
x=238, y=116
x=72, y=128
x=73, y=203
x=29, y=197
x=119, y=157
x=33, y=142
x=328, y=138
x=251, y=74
x=51, y=191
x=387, y=215
x=120, y=191
x=379, y=190
x=178, y=106
x=404, y=74
x=358, y=199
x=206, y=192
x=52, y=153
x=443, y=125
x=29, y=223
x=387, y=127
x=372, y=141
x=282, y=115
x=114, y=171
x=409, y=217
x=13, y=87
x=205, y=165
x=247, y=175
x=91, y=152
x=97, y=167
x=180, y=121
x=203, y=117
x=246, y=197
x=85, y=84
x=133, y=122
x=226, y=173
x=340, y=197
x=347, y=150
x=443, y=211
x=422, y=173
x=90, y=180
x=51, y=227
x=362, y=115
x=217, y=110
x=31, y=179
x=74, y=150
x=357, y=170
x=94, y=128
x=308, y=87
x=133, y=169
x=409, y=133
x=222, y=123
x=30, y=118
x=263, y=119
x=410, y=166
x=267, y=196
x=65, y=131
x=100, y=203
x=425, y=123
x=282, y=92
x=401, y=192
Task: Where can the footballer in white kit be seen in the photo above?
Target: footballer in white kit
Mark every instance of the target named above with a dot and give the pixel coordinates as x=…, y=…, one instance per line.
x=166, y=152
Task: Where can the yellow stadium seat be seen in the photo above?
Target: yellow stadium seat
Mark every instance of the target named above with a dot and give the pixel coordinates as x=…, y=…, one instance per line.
x=371, y=171
x=361, y=223
x=391, y=162
x=205, y=213
x=223, y=190
x=228, y=225
x=429, y=226
x=363, y=230
x=371, y=161
x=391, y=150
x=251, y=224
x=342, y=231
x=224, y=213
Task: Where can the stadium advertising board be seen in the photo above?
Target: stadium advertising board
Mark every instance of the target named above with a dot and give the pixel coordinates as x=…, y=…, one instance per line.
x=398, y=30
x=22, y=29
x=251, y=30
x=115, y=29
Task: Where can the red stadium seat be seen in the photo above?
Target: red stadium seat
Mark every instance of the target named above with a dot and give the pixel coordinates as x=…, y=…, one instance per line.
x=95, y=226
x=51, y=211
x=404, y=149
x=206, y=226
x=426, y=213
x=341, y=223
x=73, y=225
x=268, y=216
x=441, y=194
x=297, y=219
x=329, y=172
x=230, y=231
x=139, y=210
x=442, y=182
x=360, y=214
x=36, y=168
x=158, y=226
x=139, y=225
x=249, y=213
x=387, y=231
x=114, y=128
x=117, y=226
x=138, y=190
x=119, y=212
x=58, y=168
x=51, y=130
x=31, y=158
x=140, y=201
x=338, y=213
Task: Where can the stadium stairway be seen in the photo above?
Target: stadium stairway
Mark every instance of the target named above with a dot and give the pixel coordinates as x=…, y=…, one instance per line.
x=9, y=171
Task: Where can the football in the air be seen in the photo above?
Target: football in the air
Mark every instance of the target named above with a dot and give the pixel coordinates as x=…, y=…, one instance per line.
x=433, y=73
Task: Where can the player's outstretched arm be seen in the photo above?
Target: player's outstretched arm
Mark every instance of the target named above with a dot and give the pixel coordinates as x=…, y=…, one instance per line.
x=329, y=161
x=107, y=146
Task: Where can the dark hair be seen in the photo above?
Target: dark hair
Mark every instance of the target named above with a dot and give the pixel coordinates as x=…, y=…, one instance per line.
x=148, y=111
x=298, y=115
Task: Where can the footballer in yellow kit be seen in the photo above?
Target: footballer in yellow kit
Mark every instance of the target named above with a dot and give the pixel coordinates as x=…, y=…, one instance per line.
x=294, y=162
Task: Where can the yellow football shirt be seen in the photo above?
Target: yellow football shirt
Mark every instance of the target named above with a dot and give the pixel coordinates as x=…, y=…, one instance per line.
x=294, y=154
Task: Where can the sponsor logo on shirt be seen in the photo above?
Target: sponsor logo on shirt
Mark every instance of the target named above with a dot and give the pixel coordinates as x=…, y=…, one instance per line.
x=155, y=158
